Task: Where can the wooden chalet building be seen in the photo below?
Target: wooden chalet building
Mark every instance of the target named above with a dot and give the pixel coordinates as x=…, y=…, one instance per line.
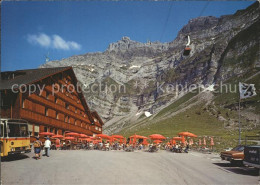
x=54, y=106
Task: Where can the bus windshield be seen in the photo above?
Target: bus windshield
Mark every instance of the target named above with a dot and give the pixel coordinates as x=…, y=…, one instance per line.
x=2, y=131
x=17, y=130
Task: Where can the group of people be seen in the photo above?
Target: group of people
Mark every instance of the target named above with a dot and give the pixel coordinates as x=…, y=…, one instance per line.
x=105, y=146
x=178, y=148
x=38, y=147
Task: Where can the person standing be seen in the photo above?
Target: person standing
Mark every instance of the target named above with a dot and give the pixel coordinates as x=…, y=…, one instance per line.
x=47, y=145
x=37, y=148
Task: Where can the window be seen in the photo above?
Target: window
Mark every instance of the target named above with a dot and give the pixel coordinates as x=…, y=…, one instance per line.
x=67, y=105
x=23, y=104
x=51, y=130
x=47, y=95
x=66, y=119
x=2, y=130
x=36, y=130
x=46, y=111
x=17, y=130
x=57, y=115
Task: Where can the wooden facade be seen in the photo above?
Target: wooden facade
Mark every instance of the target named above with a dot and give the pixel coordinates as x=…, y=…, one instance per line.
x=57, y=106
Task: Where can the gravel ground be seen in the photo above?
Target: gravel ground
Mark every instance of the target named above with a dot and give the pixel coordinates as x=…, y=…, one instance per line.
x=119, y=167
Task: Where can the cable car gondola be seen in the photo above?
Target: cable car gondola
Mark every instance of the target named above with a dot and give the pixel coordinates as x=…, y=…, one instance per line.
x=187, y=49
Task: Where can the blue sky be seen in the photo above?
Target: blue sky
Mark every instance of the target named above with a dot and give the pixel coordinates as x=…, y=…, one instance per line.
x=30, y=30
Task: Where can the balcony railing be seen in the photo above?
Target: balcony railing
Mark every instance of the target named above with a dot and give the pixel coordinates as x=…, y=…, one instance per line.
x=48, y=121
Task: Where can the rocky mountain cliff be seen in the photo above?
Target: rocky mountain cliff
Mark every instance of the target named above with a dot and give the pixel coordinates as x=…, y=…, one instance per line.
x=139, y=75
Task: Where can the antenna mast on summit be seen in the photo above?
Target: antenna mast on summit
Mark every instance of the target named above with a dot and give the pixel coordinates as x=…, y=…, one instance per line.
x=47, y=59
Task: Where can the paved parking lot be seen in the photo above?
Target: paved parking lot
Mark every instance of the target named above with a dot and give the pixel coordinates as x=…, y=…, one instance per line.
x=119, y=167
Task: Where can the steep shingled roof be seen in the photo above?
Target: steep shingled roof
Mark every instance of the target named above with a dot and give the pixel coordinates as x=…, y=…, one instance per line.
x=29, y=76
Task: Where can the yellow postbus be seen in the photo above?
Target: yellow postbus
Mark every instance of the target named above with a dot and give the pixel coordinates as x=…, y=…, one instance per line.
x=14, y=138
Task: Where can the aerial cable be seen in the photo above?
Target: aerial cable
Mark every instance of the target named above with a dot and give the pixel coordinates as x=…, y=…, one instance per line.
x=166, y=22
x=187, y=49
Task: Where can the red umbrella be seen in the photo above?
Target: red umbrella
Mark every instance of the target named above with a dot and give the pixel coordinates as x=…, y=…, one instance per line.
x=72, y=134
x=177, y=138
x=157, y=141
x=183, y=139
x=157, y=137
x=104, y=136
x=69, y=138
x=46, y=133
x=204, y=141
x=211, y=141
x=118, y=136
x=137, y=136
x=83, y=136
x=57, y=136
x=187, y=134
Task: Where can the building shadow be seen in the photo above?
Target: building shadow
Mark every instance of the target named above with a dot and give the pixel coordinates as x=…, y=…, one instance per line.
x=14, y=158
x=239, y=169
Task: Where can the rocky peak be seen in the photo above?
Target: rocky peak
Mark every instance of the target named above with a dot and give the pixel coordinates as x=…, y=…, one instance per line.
x=199, y=24
x=126, y=44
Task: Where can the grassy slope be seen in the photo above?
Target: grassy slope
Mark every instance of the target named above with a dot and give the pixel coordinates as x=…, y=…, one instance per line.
x=201, y=122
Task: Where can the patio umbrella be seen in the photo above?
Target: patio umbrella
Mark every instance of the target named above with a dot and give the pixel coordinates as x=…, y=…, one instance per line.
x=46, y=133
x=57, y=136
x=211, y=141
x=183, y=139
x=173, y=142
x=157, y=137
x=204, y=141
x=137, y=136
x=177, y=138
x=69, y=138
x=188, y=134
x=157, y=141
x=104, y=136
x=117, y=136
x=72, y=134
x=134, y=138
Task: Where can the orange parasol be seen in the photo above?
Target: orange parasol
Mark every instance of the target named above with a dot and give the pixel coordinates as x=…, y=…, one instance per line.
x=188, y=134
x=211, y=141
x=183, y=139
x=177, y=138
x=46, y=133
x=72, y=134
x=137, y=136
x=57, y=136
x=157, y=141
x=104, y=136
x=157, y=137
x=117, y=136
x=204, y=141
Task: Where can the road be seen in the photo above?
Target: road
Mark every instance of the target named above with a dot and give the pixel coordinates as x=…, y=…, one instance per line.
x=119, y=167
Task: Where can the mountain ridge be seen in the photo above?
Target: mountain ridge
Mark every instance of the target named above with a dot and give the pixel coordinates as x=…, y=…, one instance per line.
x=215, y=42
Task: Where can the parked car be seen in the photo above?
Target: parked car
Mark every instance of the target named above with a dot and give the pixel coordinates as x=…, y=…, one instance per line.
x=252, y=156
x=235, y=156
